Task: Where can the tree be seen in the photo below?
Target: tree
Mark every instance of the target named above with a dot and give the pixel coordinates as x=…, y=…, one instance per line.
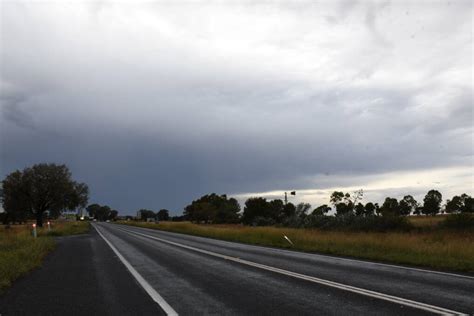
x=227, y=210
x=103, y=213
x=336, y=197
x=418, y=210
x=343, y=209
x=302, y=209
x=344, y=202
x=256, y=207
x=377, y=208
x=407, y=205
x=16, y=208
x=463, y=204
x=468, y=204
x=289, y=210
x=277, y=210
x=454, y=205
x=390, y=207
x=113, y=215
x=93, y=209
x=321, y=210
x=357, y=196
x=369, y=209
x=359, y=209
x=213, y=208
x=43, y=187
x=432, y=202
x=146, y=214
x=204, y=211
x=163, y=215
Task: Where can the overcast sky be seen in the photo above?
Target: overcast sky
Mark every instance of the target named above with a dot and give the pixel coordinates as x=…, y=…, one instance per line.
x=154, y=104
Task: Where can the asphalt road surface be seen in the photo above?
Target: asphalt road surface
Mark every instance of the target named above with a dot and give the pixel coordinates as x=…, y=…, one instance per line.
x=124, y=270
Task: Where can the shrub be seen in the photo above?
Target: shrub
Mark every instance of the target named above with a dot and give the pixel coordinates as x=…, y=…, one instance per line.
x=262, y=221
x=463, y=221
x=357, y=223
x=292, y=221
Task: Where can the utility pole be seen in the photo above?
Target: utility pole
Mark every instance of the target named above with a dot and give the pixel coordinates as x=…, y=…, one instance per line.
x=286, y=196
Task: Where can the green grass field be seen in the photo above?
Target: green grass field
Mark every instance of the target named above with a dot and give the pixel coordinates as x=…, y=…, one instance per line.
x=20, y=252
x=437, y=249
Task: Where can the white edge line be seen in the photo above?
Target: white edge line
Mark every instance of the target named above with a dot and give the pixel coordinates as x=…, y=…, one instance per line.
x=146, y=286
x=374, y=294
x=309, y=254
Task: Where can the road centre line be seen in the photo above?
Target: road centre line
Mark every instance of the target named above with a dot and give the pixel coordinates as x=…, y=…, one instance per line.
x=374, y=294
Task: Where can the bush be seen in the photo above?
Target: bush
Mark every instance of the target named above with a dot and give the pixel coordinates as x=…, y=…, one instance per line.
x=292, y=221
x=262, y=221
x=357, y=223
x=463, y=221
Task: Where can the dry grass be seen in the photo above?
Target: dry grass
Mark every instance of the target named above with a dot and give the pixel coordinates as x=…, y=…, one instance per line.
x=439, y=249
x=20, y=252
x=66, y=228
x=426, y=221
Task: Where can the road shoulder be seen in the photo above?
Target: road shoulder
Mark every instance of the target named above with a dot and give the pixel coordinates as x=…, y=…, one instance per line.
x=81, y=276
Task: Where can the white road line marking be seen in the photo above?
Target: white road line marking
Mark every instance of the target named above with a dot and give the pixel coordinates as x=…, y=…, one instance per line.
x=146, y=286
x=292, y=252
x=374, y=294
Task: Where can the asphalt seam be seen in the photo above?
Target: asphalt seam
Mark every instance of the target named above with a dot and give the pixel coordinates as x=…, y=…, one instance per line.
x=370, y=293
x=143, y=283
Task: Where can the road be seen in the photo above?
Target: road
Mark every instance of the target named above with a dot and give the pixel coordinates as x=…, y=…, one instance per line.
x=182, y=274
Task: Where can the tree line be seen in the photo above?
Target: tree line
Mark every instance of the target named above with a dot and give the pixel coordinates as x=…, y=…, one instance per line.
x=48, y=190
x=214, y=208
x=101, y=212
x=161, y=215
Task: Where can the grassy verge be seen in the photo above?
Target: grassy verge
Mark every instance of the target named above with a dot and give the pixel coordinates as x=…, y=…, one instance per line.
x=20, y=252
x=442, y=250
x=66, y=228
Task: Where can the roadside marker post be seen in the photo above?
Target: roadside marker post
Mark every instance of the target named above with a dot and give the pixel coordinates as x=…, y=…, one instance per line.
x=288, y=239
x=34, y=231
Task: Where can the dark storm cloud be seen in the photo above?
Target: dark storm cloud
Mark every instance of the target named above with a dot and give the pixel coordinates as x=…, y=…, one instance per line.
x=153, y=105
x=12, y=111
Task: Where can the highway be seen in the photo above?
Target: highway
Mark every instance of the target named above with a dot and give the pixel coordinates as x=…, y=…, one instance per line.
x=125, y=270
x=193, y=275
